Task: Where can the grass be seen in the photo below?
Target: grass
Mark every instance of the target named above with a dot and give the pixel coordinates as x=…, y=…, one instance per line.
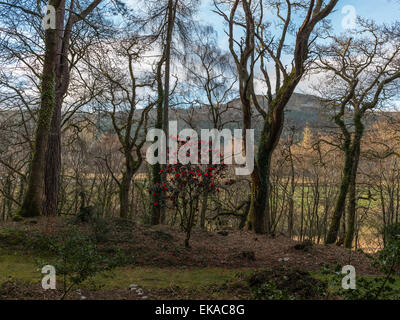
x=17, y=265
x=148, y=277
x=21, y=266
x=14, y=264
x=335, y=287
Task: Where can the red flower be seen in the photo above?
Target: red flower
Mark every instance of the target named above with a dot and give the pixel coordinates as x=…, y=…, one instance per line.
x=155, y=204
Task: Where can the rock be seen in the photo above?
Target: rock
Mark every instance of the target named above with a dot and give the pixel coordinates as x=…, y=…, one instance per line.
x=83, y=298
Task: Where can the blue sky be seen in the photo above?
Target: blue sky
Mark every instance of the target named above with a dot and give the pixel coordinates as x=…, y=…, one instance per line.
x=379, y=10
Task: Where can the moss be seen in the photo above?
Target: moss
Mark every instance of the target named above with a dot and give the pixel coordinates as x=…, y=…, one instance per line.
x=12, y=237
x=165, y=278
x=29, y=208
x=335, y=291
x=18, y=266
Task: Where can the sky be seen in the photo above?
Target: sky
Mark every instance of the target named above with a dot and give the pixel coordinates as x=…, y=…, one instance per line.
x=379, y=10
x=382, y=11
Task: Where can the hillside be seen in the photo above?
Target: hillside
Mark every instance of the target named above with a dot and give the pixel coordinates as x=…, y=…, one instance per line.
x=217, y=265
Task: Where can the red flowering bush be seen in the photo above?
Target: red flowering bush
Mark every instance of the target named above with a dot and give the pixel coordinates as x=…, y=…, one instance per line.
x=183, y=186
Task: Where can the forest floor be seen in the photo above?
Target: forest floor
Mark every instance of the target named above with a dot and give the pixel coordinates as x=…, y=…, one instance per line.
x=217, y=266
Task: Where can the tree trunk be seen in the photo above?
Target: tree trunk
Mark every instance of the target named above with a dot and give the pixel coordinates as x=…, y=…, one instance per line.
x=124, y=194
x=53, y=163
x=204, y=203
x=62, y=69
x=269, y=139
x=292, y=192
x=165, y=124
x=334, y=225
x=352, y=207
x=53, y=155
x=32, y=204
x=156, y=176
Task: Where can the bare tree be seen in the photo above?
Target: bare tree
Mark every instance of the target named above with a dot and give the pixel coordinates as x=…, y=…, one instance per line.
x=123, y=94
x=361, y=72
x=269, y=47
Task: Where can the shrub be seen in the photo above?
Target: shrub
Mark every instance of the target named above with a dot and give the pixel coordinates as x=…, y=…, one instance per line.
x=100, y=229
x=78, y=259
x=183, y=186
x=367, y=288
x=269, y=291
x=284, y=283
x=17, y=218
x=12, y=236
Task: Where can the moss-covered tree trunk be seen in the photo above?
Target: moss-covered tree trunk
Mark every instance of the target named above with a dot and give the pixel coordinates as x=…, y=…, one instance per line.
x=155, y=204
x=270, y=135
x=124, y=194
x=32, y=204
x=352, y=206
x=204, y=205
x=340, y=205
x=53, y=156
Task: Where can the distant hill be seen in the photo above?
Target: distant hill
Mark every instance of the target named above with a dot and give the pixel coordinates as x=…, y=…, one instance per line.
x=301, y=110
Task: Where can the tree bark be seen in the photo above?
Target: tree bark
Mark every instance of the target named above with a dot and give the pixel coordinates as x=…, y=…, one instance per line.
x=204, y=203
x=334, y=225
x=156, y=175
x=32, y=204
x=165, y=121
x=124, y=194
x=53, y=156
x=270, y=136
x=352, y=207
